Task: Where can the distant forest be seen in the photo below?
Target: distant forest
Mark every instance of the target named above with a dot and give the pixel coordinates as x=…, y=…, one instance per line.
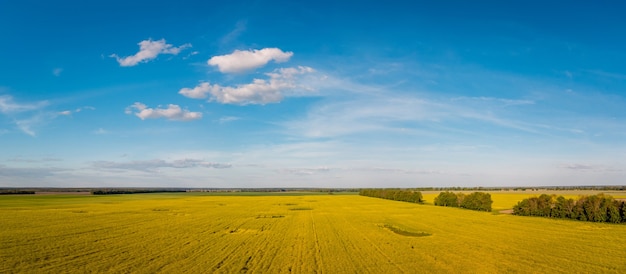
x=131, y=190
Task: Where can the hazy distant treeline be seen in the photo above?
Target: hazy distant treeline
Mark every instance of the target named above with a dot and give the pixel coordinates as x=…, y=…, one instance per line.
x=133, y=191
x=594, y=208
x=15, y=191
x=394, y=194
x=480, y=201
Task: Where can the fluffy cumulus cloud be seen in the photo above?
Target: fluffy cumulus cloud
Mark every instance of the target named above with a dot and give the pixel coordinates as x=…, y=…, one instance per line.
x=244, y=60
x=260, y=91
x=149, y=50
x=153, y=165
x=172, y=112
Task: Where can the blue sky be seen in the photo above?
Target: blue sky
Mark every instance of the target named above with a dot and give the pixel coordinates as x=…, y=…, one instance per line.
x=284, y=94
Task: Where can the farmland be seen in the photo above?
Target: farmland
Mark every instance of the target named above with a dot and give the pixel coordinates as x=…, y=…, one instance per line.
x=200, y=233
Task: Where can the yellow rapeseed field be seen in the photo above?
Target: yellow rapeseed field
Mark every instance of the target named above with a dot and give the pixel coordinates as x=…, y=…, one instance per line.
x=196, y=233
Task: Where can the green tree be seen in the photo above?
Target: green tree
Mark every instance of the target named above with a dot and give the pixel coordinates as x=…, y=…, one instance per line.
x=613, y=212
x=544, y=205
x=447, y=199
x=560, y=208
x=480, y=201
x=521, y=208
x=623, y=211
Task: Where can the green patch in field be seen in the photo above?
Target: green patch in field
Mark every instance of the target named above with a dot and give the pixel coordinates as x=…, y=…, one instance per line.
x=160, y=209
x=301, y=208
x=270, y=216
x=405, y=232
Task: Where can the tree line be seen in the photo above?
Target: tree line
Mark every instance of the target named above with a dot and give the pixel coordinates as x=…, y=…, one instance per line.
x=480, y=201
x=394, y=194
x=594, y=208
x=15, y=191
x=134, y=191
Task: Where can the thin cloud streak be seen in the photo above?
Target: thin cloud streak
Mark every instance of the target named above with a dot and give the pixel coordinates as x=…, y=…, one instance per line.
x=156, y=164
x=8, y=105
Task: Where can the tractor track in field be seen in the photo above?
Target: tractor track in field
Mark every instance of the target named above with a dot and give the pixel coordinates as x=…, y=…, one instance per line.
x=318, y=250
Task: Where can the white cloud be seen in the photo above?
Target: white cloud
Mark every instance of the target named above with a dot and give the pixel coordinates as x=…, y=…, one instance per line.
x=227, y=119
x=20, y=159
x=149, y=50
x=84, y=108
x=172, y=112
x=100, y=131
x=304, y=171
x=260, y=91
x=26, y=126
x=198, y=92
x=57, y=72
x=153, y=165
x=243, y=60
x=24, y=116
x=240, y=27
x=504, y=101
x=69, y=112
x=590, y=168
x=22, y=173
x=7, y=105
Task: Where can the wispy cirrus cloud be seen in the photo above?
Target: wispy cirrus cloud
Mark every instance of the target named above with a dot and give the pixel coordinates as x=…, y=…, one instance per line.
x=20, y=173
x=260, y=91
x=149, y=50
x=100, y=131
x=244, y=60
x=172, y=112
x=227, y=119
x=155, y=164
x=19, y=159
x=25, y=116
x=70, y=112
x=240, y=27
x=57, y=72
x=304, y=171
x=502, y=101
x=590, y=167
x=8, y=105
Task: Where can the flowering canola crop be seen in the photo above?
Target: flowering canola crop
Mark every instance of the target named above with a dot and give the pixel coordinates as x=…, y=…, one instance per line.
x=171, y=233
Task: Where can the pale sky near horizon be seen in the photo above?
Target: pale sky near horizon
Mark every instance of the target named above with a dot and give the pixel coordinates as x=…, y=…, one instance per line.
x=328, y=94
